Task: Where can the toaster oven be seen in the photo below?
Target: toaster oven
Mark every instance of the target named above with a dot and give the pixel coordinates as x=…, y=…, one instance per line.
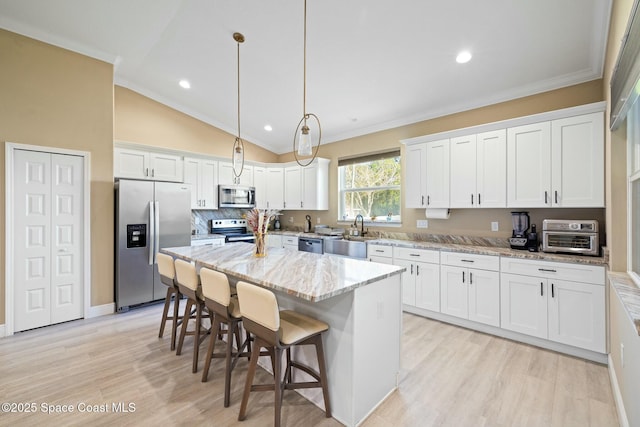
x=571, y=236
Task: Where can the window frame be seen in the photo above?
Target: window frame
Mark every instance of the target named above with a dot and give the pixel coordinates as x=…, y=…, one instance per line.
x=342, y=191
x=633, y=177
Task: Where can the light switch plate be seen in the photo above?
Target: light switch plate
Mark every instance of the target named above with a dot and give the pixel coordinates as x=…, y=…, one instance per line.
x=494, y=226
x=422, y=223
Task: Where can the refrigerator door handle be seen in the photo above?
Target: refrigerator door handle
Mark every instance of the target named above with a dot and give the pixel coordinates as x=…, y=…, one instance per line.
x=152, y=232
x=156, y=222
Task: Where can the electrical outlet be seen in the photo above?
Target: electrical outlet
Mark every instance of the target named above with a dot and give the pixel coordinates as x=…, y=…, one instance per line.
x=622, y=355
x=318, y=220
x=422, y=223
x=291, y=219
x=494, y=226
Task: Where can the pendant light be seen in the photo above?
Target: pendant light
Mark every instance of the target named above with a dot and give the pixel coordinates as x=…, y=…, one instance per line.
x=304, y=138
x=238, y=145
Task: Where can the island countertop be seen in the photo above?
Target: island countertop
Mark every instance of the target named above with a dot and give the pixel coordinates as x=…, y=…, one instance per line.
x=309, y=276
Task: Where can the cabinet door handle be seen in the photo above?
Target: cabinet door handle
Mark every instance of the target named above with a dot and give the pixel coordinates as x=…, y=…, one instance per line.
x=541, y=291
x=467, y=260
x=463, y=277
x=284, y=204
x=301, y=204
x=428, y=200
x=146, y=172
x=153, y=173
x=422, y=202
x=478, y=199
x=267, y=204
x=470, y=278
x=204, y=203
x=472, y=200
x=553, y=293
x=548, y=270
x=417, y=270
x=545, y=198
x=414, y=254
x=379, y=250
x=556, y=196
x=411, y=268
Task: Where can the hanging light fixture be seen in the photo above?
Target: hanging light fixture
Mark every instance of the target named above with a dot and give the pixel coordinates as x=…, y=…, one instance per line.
x=305, y=143
x=238, y=145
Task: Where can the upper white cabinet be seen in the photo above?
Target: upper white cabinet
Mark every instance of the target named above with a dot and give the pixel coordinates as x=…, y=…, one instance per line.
x=307, y=188
x=577, y=161
x=260, y=183
x=415, y=176
x=227, y=177
x=559, y=163
x=275, y=187
x=139, y=164
x=478, y=170
x=437, y=176
x=202, y=174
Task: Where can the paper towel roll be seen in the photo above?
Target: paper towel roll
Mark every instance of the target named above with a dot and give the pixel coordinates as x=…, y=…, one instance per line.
x=434, y=213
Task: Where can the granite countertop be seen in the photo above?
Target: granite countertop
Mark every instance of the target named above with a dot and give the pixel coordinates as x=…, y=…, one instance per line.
x=492, y=250
x=206, y=236
x=312, y=277
x=629, y=294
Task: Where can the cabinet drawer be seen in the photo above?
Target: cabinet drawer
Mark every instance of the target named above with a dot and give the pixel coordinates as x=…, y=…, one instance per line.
x=380, y=251
x=554, y=270
x=422, y=255
x=290, y=240
x=482, y=262
x=207, y=242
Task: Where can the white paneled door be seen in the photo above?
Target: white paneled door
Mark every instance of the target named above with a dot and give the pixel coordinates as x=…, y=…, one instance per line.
x=48, y=244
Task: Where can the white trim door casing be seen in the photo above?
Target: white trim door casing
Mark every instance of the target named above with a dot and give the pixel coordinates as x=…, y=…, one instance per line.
x=63, y=238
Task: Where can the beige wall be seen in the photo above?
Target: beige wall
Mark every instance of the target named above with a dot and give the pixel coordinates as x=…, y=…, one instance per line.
x=53, y=97
x=142, y=120
x=470, y=222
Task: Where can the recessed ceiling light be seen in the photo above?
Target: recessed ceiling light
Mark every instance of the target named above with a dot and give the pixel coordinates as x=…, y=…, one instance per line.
x=463, y=57
x=185, y=84
x=268, y=128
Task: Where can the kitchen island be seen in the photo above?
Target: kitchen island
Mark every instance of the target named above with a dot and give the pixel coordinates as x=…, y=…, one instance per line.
x=360, y=301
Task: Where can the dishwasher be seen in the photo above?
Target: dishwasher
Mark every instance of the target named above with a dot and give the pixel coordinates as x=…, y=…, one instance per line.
x=310, y=244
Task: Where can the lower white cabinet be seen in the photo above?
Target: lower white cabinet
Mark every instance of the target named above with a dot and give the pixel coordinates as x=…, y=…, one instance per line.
x=274, y=240
x=208, y=242
x=380, y=253
x=421, y=280
x=470, y=293
x=561, y=302
x=290, y=242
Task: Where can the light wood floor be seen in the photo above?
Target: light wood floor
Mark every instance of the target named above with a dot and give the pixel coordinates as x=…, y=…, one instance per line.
x=450, y=377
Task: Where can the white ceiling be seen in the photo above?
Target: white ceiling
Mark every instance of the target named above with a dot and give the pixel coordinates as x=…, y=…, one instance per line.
x=371, y=64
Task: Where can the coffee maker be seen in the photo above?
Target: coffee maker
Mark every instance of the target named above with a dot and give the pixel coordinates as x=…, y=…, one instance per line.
x=520, y=223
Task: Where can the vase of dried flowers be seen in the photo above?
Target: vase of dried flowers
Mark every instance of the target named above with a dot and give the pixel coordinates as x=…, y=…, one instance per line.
x=258, y=221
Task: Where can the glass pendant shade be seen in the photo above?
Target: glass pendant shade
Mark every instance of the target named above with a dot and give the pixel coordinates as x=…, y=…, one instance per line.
x=238, y=158
x=304, y=145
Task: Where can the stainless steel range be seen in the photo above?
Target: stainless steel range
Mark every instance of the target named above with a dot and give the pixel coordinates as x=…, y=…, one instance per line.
x=234, y=230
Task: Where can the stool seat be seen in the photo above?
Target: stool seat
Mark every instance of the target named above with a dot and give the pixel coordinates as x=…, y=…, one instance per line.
x=296, y=327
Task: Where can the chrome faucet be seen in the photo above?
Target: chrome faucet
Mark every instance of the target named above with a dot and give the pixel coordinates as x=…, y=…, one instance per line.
x=355, y=223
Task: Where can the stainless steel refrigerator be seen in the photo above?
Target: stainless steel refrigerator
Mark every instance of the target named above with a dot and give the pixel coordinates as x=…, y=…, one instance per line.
x=149, y=215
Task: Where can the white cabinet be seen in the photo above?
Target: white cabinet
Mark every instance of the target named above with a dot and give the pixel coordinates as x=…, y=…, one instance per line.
x=470, y=287
x=415, y=176
x=307, y=188
x=479, y=170
x=274, y=240
x=138, y=164
x=557, y=163
x=275, y=187
x=227, y=177
x=260, y=184
x=290, y=242
x=437, y=176
x=202, y=175
x=556, y=301
x=380, y=253
x=577, y=161
x=421, y=280
x=208, y=242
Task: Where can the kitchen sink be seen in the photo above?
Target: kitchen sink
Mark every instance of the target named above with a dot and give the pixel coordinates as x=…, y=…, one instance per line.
x=349, y=248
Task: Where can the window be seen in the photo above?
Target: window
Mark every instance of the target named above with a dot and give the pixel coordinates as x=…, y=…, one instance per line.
x=633, y=197
x=370, y=186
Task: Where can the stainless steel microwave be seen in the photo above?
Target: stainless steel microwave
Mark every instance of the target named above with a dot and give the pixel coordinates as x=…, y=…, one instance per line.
x=236, y=196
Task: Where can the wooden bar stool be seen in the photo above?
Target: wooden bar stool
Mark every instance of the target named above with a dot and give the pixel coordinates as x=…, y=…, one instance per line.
x=189, y=286
x=276, y=331
x=168, y=277
x=226, y=310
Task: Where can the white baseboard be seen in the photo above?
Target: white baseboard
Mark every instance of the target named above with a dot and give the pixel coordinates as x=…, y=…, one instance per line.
x=617, y=396
x=2, y=331
x=100, y=310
